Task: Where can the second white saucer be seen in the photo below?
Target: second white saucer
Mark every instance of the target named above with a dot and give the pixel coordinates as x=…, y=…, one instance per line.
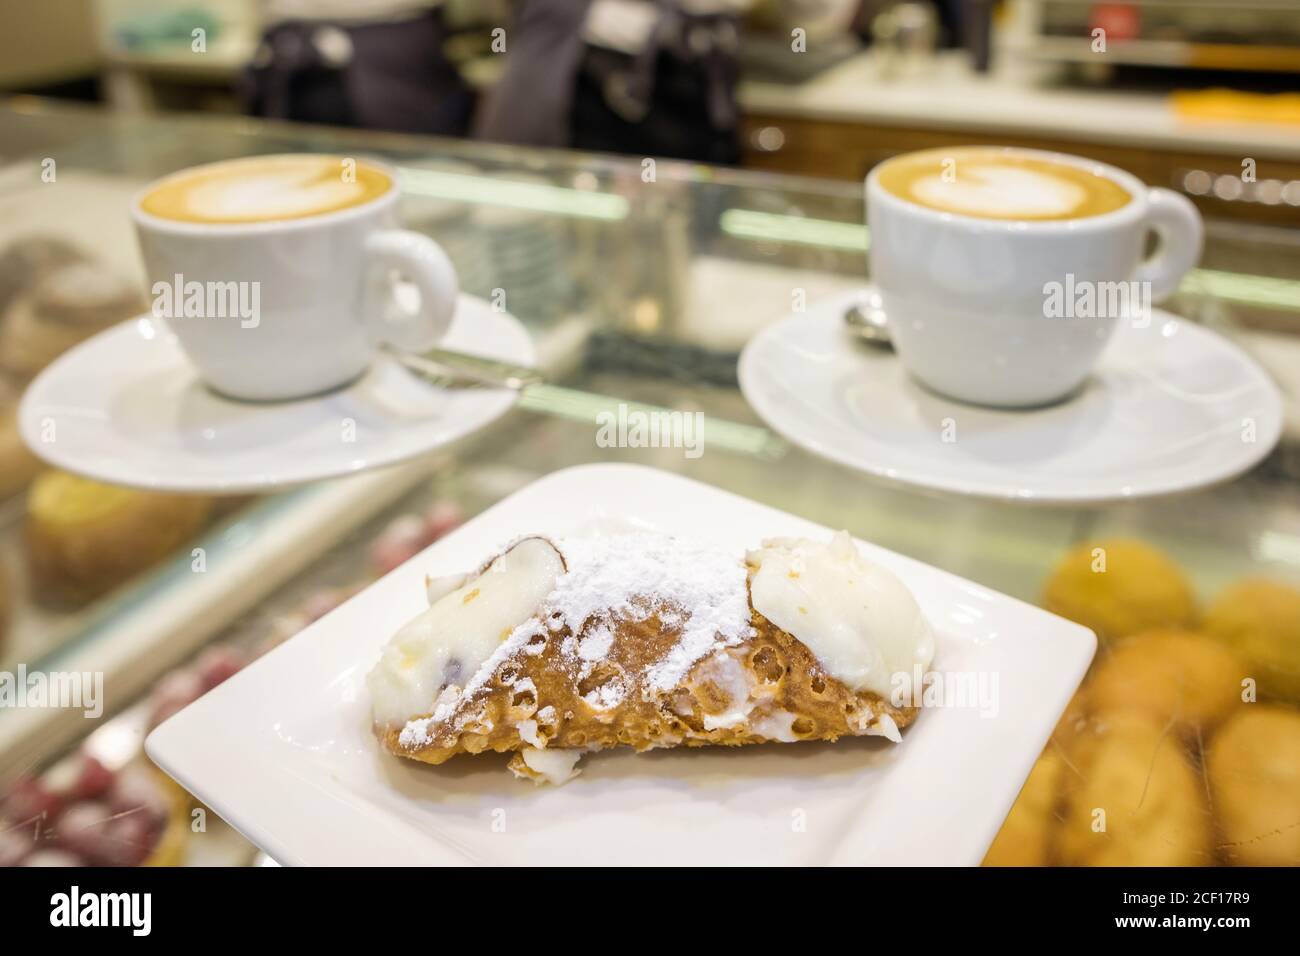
x=126, y=407
x=1170, y=407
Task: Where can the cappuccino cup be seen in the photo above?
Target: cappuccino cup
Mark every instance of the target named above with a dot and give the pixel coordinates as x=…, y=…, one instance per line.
x=1003, y=272
x=281, y=276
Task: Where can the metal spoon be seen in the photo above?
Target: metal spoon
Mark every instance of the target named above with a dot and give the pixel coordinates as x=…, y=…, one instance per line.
x=866, y=319
x=457, y=369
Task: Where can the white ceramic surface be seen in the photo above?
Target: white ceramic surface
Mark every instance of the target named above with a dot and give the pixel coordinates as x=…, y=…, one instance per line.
x=325, y=293
x=1171, y=407
x=965, y=296
x=127, y=407
x=283, y=750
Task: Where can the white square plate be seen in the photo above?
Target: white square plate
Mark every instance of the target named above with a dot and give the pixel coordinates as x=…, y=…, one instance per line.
x=283, y=750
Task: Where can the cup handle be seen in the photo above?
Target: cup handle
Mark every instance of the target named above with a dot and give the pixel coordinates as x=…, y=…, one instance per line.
x=1178, y=225
x=392, y=318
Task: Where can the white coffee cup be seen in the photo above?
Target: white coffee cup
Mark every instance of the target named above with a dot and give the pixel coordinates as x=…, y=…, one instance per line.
x=325, y=286
x=969, y=300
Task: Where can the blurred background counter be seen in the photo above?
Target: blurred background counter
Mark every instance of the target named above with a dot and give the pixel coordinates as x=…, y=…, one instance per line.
x=846, y=120
x=1180, y=93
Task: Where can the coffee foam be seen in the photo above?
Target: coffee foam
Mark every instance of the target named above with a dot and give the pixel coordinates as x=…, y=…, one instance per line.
x=1003, y=191
x=266, y=189
x=997, y=184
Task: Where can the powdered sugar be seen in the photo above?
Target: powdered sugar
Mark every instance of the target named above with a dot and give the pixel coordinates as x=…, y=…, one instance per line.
x=595, y=646
x=528, y=733
x=607, y=695
x=699, y=589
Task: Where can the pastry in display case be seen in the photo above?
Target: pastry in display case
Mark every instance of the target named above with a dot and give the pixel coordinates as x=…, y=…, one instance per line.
x=1196, y=726
x=1253, y=764
x=1026, y=836
x=81, y=813
x=26, y=260
x=183, y=686
x=53, y=295
x=64, y=307
x=1260, y=619
x=84, y=538
x=1138, y=800
x=42, y=815
x=1119, y=587
x=1175, y=676
x=17, y=464
x=6, y=608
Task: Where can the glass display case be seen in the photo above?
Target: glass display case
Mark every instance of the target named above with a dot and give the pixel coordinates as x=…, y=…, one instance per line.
x=640, y=282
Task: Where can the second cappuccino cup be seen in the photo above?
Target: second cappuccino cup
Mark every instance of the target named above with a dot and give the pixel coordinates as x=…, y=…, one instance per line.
x=1001, y=289
x=281, y=276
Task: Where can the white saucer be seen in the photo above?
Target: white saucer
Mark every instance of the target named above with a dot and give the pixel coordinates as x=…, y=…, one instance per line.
x=126, y=407
x=1168, y=409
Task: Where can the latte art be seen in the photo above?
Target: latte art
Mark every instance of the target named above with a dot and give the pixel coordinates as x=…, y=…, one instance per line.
x=266, y=189
x=993, y=184
x=1000, y=191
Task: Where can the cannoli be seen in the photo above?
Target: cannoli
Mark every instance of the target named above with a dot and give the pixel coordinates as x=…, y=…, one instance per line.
x=559, y=647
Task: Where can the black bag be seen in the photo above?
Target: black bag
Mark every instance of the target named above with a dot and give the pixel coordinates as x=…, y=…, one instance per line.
x=382, y=75
x=675, y=98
